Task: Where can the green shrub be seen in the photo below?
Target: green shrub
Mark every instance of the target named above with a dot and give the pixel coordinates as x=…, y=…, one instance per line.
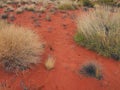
x=99, y=30
x=87, y=3
x=19, y=48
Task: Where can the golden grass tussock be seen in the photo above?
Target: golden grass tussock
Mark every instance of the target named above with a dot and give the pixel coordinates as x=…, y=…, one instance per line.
x=67, y=5
x=99, y=30
x=19, y=47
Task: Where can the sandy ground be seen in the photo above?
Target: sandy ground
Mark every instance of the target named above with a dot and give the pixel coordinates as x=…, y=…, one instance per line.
x=58, y=34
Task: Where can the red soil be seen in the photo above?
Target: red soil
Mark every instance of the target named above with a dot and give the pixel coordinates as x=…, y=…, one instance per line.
x=58, y=34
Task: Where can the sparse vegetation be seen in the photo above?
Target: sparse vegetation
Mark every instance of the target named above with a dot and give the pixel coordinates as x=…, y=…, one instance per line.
x=19, y=48
x=9, y=9
x=21, y=5
x=48, y=18
x=67, y=5
x=107, y=2
x=87, y=3
x=97, y=27
x=4, y=16
x=91, y=69
x=99, y=30
x=31, y=7
x=19, y=10
x=42, y=9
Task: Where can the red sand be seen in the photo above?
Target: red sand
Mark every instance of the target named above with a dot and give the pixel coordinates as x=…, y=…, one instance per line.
x=58, y=34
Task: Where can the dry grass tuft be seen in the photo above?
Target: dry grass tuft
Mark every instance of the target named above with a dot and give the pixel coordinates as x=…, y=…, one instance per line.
x=19, y=10
x=19, y=47
x=99, y=30
x=67, y=5
x=31, y=7
x=50, y=63
x=3, y=24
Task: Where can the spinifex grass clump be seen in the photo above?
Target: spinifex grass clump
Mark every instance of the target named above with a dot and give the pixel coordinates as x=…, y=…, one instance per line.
x=99, y=30
x=91, y=69
x=67, y=5
x=19, y=48
x=107, y=2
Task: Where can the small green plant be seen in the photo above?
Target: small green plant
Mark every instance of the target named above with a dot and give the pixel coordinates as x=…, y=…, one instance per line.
x=87, y=3
x=91, y=69
x=78, y=38
x=19, y=48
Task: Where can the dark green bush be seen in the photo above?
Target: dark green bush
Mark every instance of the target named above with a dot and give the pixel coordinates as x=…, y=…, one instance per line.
x=87, y=3
x=91, y=69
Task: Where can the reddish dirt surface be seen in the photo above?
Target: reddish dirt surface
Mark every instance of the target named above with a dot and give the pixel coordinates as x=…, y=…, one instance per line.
x=58, y=34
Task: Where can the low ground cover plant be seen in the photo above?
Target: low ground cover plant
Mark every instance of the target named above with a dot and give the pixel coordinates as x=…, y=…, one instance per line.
x=99, y=30
x=92, y=69
x=87, y=3
x=19, y=47
x=107, y=2
x=67, y=5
